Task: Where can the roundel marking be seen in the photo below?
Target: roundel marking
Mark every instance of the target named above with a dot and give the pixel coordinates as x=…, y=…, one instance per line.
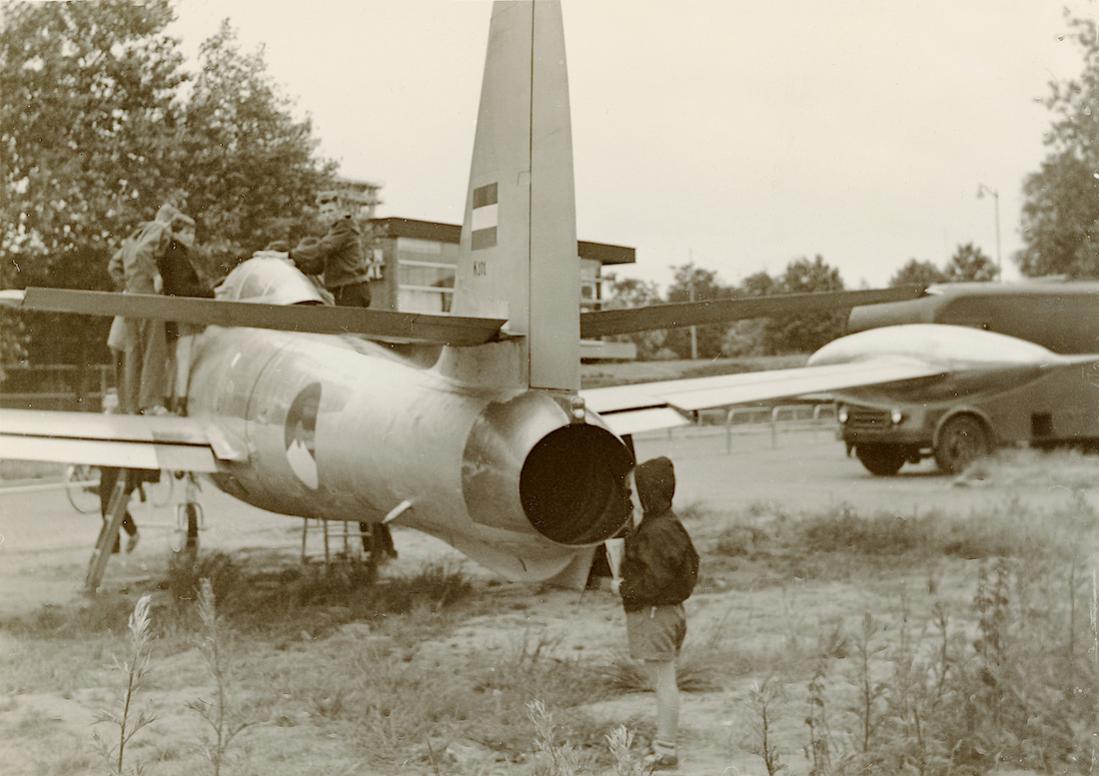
x=300, y=435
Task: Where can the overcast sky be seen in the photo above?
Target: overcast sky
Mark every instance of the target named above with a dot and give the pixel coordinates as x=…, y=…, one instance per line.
x=745, y=134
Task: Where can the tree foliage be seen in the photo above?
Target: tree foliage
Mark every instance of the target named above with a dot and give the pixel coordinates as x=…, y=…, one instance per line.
x=1060, y=218
x=251, y=172
x=969, y=263
x=98, y=127
x=691, y=282
x=916, y=272
x=805, y=333
x=633, y=292
x=86, y=124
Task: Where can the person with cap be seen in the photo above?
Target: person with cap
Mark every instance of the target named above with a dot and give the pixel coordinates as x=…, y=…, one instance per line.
x=338, y=255
x=140, y=345
x=658, y=573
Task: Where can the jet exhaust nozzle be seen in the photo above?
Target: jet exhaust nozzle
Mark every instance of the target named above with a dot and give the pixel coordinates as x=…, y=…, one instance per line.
x=527, y=466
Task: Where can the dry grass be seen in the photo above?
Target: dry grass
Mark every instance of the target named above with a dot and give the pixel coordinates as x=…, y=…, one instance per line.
x=1059, y=468
x=710, y=662
x=834, y=542
x=997, y=662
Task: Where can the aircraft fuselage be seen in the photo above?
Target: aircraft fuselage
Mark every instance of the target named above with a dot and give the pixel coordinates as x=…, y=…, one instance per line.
x=342, y=428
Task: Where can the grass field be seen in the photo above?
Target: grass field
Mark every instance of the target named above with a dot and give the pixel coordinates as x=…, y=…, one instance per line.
x=823, y=640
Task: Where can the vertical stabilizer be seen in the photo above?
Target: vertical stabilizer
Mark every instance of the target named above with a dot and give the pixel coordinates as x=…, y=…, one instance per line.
x=518, y=253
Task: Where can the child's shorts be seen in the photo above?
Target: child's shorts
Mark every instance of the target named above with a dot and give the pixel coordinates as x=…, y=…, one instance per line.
x=656, y=632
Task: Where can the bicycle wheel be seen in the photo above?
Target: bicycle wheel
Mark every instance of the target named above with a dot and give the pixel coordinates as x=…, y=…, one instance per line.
x=82, y=487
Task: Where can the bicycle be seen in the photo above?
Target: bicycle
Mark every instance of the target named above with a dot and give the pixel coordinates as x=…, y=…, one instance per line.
x=82, y=488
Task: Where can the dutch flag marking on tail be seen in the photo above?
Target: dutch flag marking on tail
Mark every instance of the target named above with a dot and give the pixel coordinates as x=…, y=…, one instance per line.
x=484, y=217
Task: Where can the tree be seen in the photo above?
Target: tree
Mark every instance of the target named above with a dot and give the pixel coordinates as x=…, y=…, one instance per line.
x=632, y=292
x=745, y=338
x=252, y=170
x=86, y=128
x=916, y=272
x=970, y=263
x=692, y=282
x=1060, y=218
x=96, y=132
x=805, y=333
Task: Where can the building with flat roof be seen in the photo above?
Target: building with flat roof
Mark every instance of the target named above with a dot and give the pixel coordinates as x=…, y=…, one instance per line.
x=415, y=264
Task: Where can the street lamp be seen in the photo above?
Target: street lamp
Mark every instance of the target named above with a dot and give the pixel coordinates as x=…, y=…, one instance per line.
x=981, y=191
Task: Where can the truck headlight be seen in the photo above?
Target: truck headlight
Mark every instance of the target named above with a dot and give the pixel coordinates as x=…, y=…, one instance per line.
x=896, y=416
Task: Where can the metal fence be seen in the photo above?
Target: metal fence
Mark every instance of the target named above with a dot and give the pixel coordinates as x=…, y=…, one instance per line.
x=762, y=419
x=54, y=386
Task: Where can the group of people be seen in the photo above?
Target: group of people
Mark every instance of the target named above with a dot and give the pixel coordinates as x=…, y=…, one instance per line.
x=152, y=358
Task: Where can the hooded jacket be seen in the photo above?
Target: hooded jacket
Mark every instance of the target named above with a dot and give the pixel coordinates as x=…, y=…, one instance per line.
x=660, y=564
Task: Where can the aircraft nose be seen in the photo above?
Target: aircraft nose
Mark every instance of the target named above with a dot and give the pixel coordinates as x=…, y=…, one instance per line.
x=527, y=466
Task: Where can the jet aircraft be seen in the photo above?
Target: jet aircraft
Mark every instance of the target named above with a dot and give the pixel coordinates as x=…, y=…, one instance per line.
x=471, y=427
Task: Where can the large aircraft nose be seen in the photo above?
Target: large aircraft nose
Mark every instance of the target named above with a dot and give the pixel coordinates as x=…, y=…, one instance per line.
x=527, y=466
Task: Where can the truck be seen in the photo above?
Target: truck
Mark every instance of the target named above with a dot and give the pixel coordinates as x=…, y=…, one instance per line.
x=1051, y=411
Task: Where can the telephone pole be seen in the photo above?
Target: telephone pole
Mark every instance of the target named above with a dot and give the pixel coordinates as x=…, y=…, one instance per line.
x=691, y=296
x=981, y=191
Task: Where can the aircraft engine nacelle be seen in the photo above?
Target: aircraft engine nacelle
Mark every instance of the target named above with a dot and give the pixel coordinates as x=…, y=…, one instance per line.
x=527, y=462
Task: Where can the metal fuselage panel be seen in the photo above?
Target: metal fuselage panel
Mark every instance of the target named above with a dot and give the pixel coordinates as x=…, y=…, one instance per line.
x=335, y=429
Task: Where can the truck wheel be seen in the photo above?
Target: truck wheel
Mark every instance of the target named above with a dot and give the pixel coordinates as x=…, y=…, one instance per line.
x=962, y=441
x=881, y=460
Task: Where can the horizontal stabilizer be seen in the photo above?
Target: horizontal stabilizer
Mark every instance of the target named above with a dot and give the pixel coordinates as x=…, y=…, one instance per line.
x=384, y=325
x=130, y=441
x=650, y=406
x=669, y=316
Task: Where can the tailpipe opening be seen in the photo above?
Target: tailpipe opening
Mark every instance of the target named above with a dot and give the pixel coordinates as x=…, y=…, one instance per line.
x=573, y=485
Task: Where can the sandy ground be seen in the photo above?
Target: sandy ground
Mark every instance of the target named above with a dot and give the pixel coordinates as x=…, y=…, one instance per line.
x=44, y=548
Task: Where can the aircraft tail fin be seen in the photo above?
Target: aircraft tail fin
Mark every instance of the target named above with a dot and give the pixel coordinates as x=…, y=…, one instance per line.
x=518, y=256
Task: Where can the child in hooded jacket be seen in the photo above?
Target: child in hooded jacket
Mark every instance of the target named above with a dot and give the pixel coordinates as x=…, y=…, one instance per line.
x=658, y=573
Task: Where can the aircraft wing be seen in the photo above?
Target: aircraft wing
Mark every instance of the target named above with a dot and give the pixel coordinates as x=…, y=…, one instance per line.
x=628, y=409
x=131, y=441
x=602, y=323
x=387, y=325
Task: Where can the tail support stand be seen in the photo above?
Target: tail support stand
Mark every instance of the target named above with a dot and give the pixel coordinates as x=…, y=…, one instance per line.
x=108, y=534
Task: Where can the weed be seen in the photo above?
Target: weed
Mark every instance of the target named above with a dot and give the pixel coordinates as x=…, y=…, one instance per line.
x=551, y=758
x=869, y=691
x=184, y=574
x=620, y=742
x=1014, y=687
x=135, y=668
x=818, y=751
x=763, y=698
x=224, y=722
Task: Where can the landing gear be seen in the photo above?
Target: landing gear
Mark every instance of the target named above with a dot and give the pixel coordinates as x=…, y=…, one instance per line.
x=962, y=440
x=882, y=460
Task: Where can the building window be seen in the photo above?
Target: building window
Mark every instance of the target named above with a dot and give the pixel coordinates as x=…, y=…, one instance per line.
x=413, y=245
x=419, y=299
x=425, y=273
